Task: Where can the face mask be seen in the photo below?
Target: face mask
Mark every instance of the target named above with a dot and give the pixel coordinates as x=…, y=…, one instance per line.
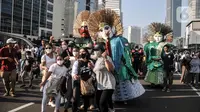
x=90, y=51
x=83, y=55
x=97, y=53
x=48, y=51
x=60, y=62
x=75, y=53
x=64, y=47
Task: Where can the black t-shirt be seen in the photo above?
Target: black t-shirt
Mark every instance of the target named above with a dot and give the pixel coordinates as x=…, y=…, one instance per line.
x=168, y=60
x=84, y=70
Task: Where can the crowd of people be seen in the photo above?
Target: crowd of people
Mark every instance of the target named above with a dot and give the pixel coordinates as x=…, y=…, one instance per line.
x=99, y=71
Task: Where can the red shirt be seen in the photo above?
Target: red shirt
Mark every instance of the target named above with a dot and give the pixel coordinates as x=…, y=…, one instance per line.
x=5, y=64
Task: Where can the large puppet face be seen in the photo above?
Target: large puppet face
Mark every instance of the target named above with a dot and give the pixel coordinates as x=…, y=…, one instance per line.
x=105, y=31
x=84, y=30
x=158, y=37
x=169, y=39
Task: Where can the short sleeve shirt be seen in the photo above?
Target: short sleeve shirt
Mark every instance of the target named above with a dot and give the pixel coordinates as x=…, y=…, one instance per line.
x=6, y=65
x=49, y=61
x=58, y=71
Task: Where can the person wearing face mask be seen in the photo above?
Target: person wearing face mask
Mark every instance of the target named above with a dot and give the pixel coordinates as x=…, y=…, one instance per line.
x=106, y=82
x=110, y=31
x=75, y=56
x=47, y=60
x=81, y=71
x=27, y=69
x=195, y=69
x=56, y=71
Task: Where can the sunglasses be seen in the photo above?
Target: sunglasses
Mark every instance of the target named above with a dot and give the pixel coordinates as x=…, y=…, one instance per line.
x=48, y=48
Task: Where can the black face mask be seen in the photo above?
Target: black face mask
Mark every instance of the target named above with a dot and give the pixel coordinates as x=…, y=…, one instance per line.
x=83, y=56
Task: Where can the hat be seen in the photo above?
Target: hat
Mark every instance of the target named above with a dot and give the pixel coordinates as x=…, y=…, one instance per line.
x=99, y=47
x=10, y=41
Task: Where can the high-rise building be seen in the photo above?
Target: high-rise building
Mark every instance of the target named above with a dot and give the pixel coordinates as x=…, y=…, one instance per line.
x=111, y=4
x=72, y=9
x=134, y=34
x=171, y=16
x=27, y=17
x=193, y=26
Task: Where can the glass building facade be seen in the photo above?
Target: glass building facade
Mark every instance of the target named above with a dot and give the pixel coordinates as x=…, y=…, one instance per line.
x=26, y=17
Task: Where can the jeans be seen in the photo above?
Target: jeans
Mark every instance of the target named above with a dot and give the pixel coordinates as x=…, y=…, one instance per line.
x=104, y=99
x=45, y=99
x=168, y=79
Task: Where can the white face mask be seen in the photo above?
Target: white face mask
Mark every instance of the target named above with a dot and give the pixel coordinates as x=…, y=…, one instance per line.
x=75, y=53
x=48, y=51
x=64, y=47
x=97, y=53
x=60, y=62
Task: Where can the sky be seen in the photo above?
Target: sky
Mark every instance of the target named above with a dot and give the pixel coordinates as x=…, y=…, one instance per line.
x=143, y=12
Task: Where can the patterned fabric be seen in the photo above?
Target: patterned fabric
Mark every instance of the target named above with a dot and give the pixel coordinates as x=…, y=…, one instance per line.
x=155, y=77
x=128, y=90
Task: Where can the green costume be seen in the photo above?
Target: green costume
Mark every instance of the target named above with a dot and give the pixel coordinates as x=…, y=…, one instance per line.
x=154, y=63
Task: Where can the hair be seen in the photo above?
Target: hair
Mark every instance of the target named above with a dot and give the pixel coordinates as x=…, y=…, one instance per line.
x=167, y=46
x=59, y=56
x=87, y=53
x=49, y=44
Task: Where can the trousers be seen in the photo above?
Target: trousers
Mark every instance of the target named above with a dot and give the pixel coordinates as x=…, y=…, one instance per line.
x=168, y=79
x=104, y=99
x=9, y=76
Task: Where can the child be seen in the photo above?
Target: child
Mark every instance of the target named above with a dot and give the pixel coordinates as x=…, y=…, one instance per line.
x=27, y=69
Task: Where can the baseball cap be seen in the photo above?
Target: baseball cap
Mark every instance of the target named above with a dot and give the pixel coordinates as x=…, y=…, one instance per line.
x=10, y=41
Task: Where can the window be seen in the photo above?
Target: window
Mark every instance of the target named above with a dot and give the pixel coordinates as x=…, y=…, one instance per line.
x=50, y=7
x=42, y=33
x=49, y=25
x=43, y=13
x=49, y=33
x=49, y=16
x=50, y=1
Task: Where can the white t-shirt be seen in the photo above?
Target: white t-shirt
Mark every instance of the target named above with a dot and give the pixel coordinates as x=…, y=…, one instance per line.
x=58, y=71
x=72, y=60
x=49, y=61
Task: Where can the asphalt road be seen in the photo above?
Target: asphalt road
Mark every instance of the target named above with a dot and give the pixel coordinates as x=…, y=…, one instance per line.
x=182, y=98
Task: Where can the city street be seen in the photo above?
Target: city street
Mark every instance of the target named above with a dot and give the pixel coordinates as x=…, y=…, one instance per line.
x=182, y=98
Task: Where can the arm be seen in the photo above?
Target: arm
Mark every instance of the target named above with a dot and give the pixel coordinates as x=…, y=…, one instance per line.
x=109, y=65
x=75, y=71
x=43, y=63
x=183, y=72
x=45, y=79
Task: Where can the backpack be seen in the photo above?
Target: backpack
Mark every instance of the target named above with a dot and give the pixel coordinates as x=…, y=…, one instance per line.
x=65, y=85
